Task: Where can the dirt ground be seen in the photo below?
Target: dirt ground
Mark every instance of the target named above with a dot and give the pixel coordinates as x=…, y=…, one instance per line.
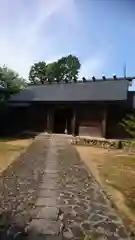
x=10, y=150
x=115, y=171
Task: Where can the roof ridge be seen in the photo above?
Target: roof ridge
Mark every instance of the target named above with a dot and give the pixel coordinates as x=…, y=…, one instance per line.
x=103, y=79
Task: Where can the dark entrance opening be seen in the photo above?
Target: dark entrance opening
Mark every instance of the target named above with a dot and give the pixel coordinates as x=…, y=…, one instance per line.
x=62, y=120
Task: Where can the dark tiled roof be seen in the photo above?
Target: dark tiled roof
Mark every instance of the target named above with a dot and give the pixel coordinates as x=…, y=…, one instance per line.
x=19, y=104
x=86, y=91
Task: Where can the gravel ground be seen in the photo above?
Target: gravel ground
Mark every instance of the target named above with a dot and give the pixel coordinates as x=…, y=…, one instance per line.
x=87, y=211
x=19, y=186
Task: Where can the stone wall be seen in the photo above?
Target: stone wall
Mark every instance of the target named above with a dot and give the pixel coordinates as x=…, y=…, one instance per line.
x=103, y=143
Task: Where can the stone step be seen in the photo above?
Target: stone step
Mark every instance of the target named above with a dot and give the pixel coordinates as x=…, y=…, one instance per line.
x=50, y=213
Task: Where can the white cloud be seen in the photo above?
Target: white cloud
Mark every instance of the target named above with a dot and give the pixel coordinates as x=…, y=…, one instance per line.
x=97, y=65
x=34, y=30
x=93, y=66
x=21, y=41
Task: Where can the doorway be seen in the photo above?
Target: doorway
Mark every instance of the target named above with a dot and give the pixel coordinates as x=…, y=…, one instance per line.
x=62, y=120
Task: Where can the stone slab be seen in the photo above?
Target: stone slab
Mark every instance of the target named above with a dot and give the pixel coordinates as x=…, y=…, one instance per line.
x=47, y=193
x=49, y=181
x=51, y=164
x=49, y=185
x=50, y=213
x=51, y=171
x=44, y=227
x=52, y=175
x=46, y=201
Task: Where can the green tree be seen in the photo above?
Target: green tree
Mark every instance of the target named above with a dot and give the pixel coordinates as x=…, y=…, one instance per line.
x=69, y=68
x=66, y=69
x=10, y=83
x=37, y=73
x=128, y=123
x=10, y=79
x=53, y=72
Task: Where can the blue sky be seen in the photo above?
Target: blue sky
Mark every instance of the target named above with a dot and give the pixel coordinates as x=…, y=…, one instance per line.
x=100, y=32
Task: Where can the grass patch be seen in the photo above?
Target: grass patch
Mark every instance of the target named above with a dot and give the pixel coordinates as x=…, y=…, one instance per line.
x=120, y=173
x=10, y=150
x=115, y=171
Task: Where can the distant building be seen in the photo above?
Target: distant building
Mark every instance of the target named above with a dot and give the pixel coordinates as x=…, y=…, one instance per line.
x=92, y=108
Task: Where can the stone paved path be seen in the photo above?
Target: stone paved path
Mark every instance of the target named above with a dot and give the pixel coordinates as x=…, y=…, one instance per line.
x=70, y=203
x=48, y=194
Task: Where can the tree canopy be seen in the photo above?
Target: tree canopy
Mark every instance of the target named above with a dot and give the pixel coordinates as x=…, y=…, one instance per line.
x=11, y=80
x=66, y=69
x=38, y=73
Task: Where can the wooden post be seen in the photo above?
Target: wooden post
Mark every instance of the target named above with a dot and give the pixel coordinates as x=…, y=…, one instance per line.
x=104, y=123
x=73, y=123
x=50, y=121
x=66, y=128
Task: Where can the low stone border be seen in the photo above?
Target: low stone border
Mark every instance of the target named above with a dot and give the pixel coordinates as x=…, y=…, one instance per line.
x=103, y=143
